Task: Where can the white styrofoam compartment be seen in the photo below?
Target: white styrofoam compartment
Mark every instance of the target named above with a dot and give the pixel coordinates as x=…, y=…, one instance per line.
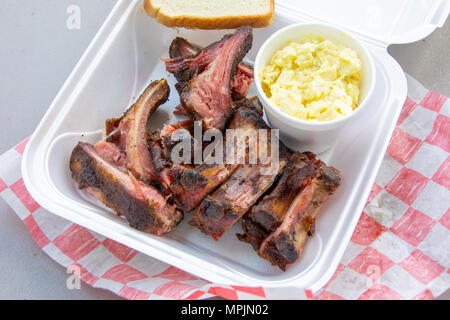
x=124, y=57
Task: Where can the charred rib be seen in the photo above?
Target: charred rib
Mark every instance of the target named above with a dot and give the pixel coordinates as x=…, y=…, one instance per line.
x=268, y=213
x=190, y=185
x=144, y=207
x=284, y=245
x=207, y=96
x=220, y=210
x=130, y=131
x=181, y=48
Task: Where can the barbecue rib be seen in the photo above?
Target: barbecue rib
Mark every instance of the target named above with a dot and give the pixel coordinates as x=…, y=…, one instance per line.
x=285, y=244
x=190, y=185
x=252, y=103
x=144, y=207
x=180, y=47
x=243, y=77
x=207, y=95
x=111, y=153
x=220, y=210
x=264, y=217
x=166, y=134
x=129, y=132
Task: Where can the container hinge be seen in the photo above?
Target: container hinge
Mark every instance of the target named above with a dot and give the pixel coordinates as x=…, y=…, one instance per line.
x=295, y=15
x=438, y=13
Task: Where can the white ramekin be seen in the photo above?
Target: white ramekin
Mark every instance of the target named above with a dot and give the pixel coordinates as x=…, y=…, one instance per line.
x=303, y=135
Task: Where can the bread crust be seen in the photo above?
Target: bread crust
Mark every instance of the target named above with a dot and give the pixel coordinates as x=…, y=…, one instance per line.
x=210, y=23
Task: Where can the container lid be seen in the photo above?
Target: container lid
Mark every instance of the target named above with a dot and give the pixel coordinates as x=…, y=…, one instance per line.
x=387, y=21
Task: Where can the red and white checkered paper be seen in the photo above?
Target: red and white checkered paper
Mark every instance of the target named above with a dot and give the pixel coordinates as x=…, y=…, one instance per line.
x=400, y=248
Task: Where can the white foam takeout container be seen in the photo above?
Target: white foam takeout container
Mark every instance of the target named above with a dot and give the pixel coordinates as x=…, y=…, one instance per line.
x=124, y=57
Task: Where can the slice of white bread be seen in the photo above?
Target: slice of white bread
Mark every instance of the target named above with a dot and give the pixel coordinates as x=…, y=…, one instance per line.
x=211, y=14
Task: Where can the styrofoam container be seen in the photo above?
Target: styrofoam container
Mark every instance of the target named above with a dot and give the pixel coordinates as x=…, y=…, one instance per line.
x=124, y=57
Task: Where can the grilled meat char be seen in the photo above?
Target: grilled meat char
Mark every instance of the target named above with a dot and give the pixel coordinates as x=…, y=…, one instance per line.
x=144, y=207
x=130, y=134
x=207, y=95
x=284, y=245
x=190, y=184
x=252, y=103
x=264, y=217
x=221, y=209
x=242, y=80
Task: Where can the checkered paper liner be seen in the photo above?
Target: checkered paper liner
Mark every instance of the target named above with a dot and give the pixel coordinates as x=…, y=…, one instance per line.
x=400, y=248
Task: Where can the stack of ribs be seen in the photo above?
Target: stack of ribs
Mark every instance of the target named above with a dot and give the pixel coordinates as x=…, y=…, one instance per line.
x=119, y=170
x=277, y=227
x=131, y=169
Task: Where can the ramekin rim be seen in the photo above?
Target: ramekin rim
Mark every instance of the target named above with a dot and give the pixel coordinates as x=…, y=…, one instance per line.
x=311, y=123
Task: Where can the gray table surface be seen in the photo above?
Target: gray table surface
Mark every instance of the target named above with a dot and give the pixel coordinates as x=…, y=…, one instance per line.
x=37, y=54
